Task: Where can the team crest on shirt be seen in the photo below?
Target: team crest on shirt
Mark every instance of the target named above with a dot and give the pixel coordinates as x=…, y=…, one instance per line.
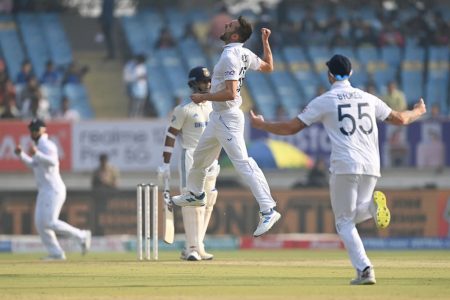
x=173, y=119
x=195, y=115
x=229, y=73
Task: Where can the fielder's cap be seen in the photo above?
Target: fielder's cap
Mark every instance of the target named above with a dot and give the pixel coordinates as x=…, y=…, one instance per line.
x=340, y=66
x=199, y=74
x=36, y=124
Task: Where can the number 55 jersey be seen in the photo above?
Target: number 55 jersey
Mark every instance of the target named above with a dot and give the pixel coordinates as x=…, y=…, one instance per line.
x=349, y=116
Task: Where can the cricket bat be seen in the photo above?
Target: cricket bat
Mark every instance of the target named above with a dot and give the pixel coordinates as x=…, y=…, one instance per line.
x=169, y=227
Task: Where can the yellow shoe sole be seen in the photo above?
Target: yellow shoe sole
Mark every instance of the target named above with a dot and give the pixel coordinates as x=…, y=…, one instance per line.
x=383, y=215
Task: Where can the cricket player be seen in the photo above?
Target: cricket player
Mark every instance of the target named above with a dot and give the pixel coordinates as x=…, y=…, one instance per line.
x=349, y=116
x=43, y=159
x=226, y=125
x=188, y=122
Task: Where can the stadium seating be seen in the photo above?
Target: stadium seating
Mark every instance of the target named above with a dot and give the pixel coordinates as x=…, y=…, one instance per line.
x=263, y=94
x=11, y=46
x=54, y=35
x=438, y=77
x=412, y=73
x=79, y=99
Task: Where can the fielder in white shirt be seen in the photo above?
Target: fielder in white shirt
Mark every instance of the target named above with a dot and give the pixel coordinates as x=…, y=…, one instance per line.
x=188, y=122
x=349, y=116
x=226, y=125
x=44, y=161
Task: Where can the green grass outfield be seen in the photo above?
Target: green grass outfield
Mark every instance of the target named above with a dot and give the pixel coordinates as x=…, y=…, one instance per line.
x=277, y=274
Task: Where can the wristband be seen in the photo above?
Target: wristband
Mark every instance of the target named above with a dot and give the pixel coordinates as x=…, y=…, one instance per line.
x=171, y=135
x=168, y=149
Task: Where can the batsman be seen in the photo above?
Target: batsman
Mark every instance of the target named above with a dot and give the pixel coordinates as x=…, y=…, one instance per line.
x=188, y=122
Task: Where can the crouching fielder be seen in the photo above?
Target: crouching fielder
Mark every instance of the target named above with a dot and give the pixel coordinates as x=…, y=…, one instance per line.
x=188, y=123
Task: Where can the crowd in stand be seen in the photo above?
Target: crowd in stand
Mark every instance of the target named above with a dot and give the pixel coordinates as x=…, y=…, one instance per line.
x=388, y=26
x=24, y=97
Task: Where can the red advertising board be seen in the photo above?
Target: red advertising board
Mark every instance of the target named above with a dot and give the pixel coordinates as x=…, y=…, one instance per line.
x=16, y=132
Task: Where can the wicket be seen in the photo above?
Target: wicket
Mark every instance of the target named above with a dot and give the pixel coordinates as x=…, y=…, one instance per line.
x=150, y=193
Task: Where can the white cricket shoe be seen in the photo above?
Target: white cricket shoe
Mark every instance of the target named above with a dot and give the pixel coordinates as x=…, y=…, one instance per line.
x=193, y=256
x=189, y=199
x=54, y=257
x=206, y=256
x=266, y=221
x=379, y=210
x=365, y=277
x=86, y=242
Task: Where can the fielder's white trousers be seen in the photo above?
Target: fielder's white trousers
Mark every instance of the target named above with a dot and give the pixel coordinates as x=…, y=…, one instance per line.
x=351, y=196
x=48, y=207
x=226, y=129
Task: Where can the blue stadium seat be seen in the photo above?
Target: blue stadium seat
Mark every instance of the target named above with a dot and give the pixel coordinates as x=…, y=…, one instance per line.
x=438, y=77
x=11, y=48
x=319, y=55
x=192, y=53
x=175, y=71
x=303, y=72
x=262, y=94
x=35, y=43
x=60, y=50
x=54, y=96
x=137, y=40
x=161, y=97
x=287, y=92
x=79, y=99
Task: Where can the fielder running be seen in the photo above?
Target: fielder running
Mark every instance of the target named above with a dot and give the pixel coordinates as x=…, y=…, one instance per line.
x=349, y=116
x=226, y=126
x=188, y=123
x=44, y=161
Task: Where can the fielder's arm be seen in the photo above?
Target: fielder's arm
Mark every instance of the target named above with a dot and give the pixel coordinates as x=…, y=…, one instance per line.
x=408, y=116
x=25, y=158
x=169, y=143
x=267, y=60
x=281, y=128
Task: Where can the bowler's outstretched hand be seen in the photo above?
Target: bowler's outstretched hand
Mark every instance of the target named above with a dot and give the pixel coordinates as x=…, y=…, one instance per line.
x=420, y=106
x=265, y=33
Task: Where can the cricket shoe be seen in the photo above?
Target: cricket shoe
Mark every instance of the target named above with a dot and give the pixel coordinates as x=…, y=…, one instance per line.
x=189, y=199
x=379, y=210
x=266, y=221
x=206, y=256
x=86, y=242
x=365, y=277
x=193, y=256
x=54, y=257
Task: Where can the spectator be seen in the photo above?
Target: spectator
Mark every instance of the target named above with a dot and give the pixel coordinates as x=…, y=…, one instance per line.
x=36, y=107
x=431, y=151
x=32, y=87
x=128, y=78
x=106, y=176
x=391, y=36
x=10, y=110
x=75, y=74
x=25, y=73
x=7, y=90
x=395, y=98
x=106, y=21
x=318, y=175
x=67, y=113
x=139, y=88
x=51, y=76
x=165, y=40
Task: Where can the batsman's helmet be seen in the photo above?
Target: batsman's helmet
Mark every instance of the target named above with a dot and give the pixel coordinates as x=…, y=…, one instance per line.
x=196, y=75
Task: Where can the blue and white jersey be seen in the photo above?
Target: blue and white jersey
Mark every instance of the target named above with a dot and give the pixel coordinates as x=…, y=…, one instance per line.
x=191, y=119
x=349, y=116
x=232, y=65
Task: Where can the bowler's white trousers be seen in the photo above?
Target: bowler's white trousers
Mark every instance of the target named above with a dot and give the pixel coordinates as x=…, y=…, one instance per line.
x=351, y=196
x=226, y=129
x=48, y=206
